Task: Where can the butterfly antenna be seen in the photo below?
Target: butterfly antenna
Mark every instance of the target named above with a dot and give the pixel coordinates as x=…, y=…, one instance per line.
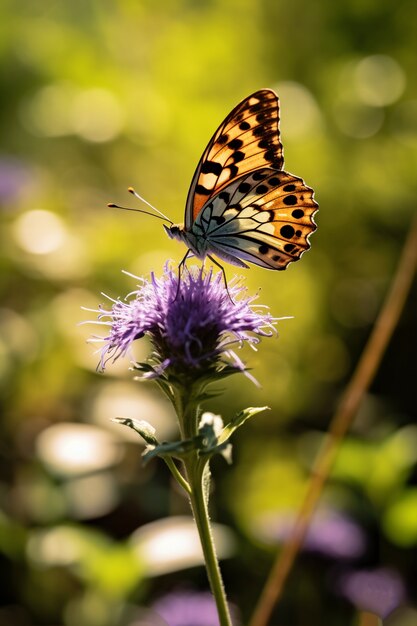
x=134, y=193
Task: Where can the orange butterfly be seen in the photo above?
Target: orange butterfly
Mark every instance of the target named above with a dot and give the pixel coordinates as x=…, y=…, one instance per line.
x=242, y=206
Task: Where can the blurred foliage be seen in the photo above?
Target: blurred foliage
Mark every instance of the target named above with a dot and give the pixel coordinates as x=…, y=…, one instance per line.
x=99, y=96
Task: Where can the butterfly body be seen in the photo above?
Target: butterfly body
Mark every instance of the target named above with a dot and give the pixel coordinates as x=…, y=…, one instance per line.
x=242, y=206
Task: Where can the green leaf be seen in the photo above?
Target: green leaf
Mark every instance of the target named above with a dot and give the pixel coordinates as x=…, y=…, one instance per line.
x=173, y=449
x=240, y=419
x=145, y=430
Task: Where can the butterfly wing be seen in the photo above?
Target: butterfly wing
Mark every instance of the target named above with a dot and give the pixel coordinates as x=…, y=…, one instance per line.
x=247, y=140
x=264, y=217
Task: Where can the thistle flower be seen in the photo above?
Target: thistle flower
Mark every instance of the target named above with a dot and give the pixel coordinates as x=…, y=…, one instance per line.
x=192, y=324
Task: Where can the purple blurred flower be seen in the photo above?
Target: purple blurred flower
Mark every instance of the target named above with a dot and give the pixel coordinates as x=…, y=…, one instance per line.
x=378, y=591
x=14, y=175
x=192, y=327
x=331, y=533
x=188, y=608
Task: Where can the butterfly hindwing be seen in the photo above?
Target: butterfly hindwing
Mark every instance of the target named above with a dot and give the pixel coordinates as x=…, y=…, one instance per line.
x=247, y=140
x=264, y=217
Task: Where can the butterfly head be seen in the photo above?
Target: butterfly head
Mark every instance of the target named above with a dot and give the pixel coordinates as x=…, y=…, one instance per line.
x=176, y=231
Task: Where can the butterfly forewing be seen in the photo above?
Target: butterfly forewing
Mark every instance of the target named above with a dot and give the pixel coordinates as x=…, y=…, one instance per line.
x=264, y=217
x=247, y=140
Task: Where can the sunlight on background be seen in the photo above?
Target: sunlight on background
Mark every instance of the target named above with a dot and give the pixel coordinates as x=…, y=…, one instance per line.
x=118, y=399
x=365, y=88
x=379, y=80
x=171, y=544
x=40, y=232
x=301, y=113
x=97, y=116
x=73, y=449
x=63, y=109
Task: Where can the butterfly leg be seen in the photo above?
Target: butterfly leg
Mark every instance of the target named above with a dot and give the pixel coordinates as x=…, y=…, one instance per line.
x=224, y=275
x=180, y=266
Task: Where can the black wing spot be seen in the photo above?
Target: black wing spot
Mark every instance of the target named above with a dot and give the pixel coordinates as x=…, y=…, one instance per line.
x=224, y=195
x=203, y=191
x=235, y=144
x=211, y=167
x=259, y=175
x=289, y=187
x=287, y=231
x=265, y=144
x=289, y=247
x=261, y=189
x=219, y=219
x=263, y=249
x=244, y=187
x=298, y=233
x=262, y=130
x=244, y=126
x=238, y=156
x=233, y=169
x=290, y=200
x=256, y=107
x=274, y=181
x=298, y=213
x=223, y=139
x=270, y=155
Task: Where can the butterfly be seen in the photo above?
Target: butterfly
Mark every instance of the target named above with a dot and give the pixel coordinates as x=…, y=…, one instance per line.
x=242, y=206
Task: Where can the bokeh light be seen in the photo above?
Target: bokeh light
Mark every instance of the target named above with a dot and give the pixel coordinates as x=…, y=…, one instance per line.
x=73, y=449
x=379, y=80
x=172, y=544
x=40, y=232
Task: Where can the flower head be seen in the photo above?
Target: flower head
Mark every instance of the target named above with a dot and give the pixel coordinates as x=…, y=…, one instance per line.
x=192, y=324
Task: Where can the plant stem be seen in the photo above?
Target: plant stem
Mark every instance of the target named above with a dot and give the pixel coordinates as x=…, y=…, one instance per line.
x=199, y=507
x=177, y=475
x=197, y=472
x=349, y=404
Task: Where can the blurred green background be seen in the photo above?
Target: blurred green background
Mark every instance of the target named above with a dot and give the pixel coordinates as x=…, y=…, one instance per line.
x=97, y=96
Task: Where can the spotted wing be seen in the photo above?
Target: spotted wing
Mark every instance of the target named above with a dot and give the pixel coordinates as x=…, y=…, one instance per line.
x=247, y=140
x=265, y=217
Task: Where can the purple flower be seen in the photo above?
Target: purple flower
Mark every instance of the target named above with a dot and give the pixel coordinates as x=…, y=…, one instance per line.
x=378, y=591
x=14, y=175
x=331, y=533
x=187, y=608
x=192, y=327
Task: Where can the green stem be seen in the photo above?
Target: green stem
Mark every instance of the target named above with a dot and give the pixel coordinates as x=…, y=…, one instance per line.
x=196, y=471
x=177, y=475
x=201, y=517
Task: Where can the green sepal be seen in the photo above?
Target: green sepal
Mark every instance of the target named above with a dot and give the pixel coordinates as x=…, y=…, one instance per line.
x=238, y=420
x=145, y=430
